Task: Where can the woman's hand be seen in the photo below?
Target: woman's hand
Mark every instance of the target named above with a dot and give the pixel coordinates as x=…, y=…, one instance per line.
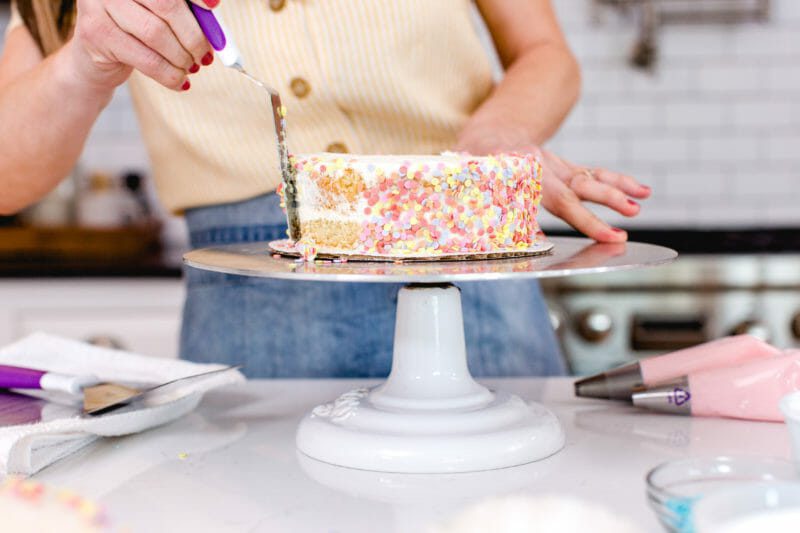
x=160, y=38
x=565, y=186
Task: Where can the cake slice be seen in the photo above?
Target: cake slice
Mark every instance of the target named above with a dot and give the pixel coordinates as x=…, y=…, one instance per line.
x=418, y=207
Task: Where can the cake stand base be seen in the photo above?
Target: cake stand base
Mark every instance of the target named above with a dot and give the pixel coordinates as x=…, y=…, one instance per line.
x=430, y=416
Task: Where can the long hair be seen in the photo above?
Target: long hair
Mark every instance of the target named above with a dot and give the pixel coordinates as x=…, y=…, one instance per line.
x=50, y=22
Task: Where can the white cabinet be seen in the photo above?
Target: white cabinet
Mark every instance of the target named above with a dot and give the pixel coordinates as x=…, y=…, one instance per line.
x=140, y=315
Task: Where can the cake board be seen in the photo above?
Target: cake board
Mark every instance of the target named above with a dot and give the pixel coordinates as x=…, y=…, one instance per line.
x=430, y=415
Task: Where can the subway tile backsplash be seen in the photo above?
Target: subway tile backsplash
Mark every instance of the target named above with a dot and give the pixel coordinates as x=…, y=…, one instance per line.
x=714, y=128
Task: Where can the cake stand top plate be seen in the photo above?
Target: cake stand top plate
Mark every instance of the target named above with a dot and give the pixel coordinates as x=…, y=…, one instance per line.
x=570, y=256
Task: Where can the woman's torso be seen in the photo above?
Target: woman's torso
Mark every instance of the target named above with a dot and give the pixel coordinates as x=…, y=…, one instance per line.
x=381, y=76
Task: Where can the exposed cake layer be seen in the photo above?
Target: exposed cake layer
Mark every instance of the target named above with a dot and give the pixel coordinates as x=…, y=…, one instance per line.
x=401, y=206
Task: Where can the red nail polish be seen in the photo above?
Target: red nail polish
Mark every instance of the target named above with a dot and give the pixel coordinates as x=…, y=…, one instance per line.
x=194, y=69
x=207, y=59
x=632, y=202
x=618, y=230
x=211, y=3
x=186, y=85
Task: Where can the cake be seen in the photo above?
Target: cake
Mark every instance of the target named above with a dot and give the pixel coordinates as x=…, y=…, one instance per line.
x=27, y=505
x=417, y=207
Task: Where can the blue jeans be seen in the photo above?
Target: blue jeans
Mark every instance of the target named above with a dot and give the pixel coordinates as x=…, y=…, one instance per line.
x=292, y=329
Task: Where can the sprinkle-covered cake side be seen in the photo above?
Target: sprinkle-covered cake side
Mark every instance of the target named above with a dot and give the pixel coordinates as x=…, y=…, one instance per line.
x=418, y=206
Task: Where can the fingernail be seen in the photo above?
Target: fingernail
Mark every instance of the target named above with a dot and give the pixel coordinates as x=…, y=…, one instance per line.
x=647, y=188
x=618, y=230
x=186, y=85
x=211, y=3
x=207, y=59
x=632, y=203
x=194, y=69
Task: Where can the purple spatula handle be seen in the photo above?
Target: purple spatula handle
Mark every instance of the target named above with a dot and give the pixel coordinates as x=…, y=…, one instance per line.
x=12, y=377
x=210, y=26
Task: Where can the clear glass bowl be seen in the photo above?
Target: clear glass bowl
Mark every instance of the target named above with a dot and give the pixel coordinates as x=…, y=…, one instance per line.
x=790, y=405
x=674, y=487
x=769, y=507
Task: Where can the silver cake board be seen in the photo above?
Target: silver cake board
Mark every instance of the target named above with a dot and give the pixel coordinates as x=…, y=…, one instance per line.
x=289, y=248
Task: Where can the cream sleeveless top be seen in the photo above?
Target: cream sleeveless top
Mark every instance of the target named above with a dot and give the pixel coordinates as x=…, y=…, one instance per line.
x=362, y=76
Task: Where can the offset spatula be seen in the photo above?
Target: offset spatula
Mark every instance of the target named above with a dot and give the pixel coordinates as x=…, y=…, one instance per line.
x=221, y=40
x=98, y=397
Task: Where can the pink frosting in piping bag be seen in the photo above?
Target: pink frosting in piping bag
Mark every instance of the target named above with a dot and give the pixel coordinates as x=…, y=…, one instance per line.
x=751, y=391
x=719, y=353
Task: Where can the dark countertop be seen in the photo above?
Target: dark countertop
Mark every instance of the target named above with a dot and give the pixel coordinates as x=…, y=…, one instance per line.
x=168, y=265
x=693, y=241
x=155, y=266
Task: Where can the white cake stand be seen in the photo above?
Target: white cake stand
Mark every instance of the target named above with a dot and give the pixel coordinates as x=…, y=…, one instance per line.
x=431, y=416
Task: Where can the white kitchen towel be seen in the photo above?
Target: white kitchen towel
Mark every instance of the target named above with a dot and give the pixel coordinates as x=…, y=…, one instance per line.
x=26, y=449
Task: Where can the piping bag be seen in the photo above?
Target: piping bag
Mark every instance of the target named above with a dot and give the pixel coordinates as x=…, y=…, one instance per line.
x=749, y=391
x=220, y=39
x=620, y=383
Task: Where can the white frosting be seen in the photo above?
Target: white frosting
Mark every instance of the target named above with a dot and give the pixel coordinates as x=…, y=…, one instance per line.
x=779, y=521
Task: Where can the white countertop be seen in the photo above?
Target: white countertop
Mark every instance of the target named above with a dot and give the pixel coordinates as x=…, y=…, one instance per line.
x=232, y=466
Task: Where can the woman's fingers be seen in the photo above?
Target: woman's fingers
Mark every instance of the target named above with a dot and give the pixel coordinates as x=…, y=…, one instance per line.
x=149, y=29
x=626, y=184
x=208, y=4
x=130, y=51
x=183, y=25
x=587, y=187
x=565, y=204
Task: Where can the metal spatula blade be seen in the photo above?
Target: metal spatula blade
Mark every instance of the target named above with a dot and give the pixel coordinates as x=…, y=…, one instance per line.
x=222, y=41
x=98, y=397
x=107, y=397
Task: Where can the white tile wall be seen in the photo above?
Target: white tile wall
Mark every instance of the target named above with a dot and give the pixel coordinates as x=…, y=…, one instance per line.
x=715, y=129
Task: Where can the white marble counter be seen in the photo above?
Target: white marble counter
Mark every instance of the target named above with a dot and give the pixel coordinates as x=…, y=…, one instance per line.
x=232, y=466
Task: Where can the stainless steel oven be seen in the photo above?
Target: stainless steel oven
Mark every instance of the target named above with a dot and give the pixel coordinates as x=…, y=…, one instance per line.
x=605, y=320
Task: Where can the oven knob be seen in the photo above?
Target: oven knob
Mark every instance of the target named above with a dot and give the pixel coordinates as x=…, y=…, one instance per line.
x=796, y=326
x=594, y=325
x=556, y=319
x=754, y=328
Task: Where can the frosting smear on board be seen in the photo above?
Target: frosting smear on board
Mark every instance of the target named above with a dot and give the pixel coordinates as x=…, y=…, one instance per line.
x=451, y=205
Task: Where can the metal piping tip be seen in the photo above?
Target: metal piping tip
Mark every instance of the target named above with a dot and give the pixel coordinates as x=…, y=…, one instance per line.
x=674, y=398
x=616, y=384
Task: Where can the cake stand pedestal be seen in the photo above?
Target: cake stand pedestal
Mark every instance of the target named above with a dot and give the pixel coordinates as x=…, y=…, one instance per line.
x=431, y=416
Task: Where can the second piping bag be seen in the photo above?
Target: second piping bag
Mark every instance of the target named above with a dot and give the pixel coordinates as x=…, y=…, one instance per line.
x=227, y=51
x=749, y=391
x=621, y=382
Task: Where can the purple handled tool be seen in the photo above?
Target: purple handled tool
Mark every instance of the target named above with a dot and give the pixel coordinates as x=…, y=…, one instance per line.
x=98, y=397
x=227, y=51
x=210, y=26
x=14, y=377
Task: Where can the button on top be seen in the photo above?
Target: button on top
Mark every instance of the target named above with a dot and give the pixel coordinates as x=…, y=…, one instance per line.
x=277, y=5
x=300, y=87
x=337, y=148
